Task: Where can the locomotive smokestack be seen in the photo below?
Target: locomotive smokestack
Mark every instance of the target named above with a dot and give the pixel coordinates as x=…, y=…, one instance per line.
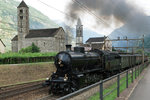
x=68, y=47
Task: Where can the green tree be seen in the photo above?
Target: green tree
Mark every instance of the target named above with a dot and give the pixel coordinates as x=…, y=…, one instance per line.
x=140, y=51
x=35, y=48
x=30, y=49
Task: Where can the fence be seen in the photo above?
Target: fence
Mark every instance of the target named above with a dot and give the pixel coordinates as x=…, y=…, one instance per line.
x=133, y=72
x=18, y=60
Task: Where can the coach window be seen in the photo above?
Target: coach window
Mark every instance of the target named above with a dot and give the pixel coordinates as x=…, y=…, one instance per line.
x=44, y=44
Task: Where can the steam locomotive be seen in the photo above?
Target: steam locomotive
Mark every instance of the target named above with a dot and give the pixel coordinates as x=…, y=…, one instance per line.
x=77, y=69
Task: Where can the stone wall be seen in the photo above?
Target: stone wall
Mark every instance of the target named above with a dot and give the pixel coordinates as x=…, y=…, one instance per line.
x=45, y=44
x=48, y=44
x=60, y=41
x=14, y=46
x=108, y=44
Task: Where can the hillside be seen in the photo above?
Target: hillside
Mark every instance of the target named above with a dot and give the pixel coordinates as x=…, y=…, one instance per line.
x=8, y=20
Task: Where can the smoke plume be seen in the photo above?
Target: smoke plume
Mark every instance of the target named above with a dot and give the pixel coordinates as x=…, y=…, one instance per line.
x=123, y=12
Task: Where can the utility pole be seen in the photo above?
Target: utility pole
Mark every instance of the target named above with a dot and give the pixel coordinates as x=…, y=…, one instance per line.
x=143, y=49
x=104, y=43
x=127, y=44
x=126, y=39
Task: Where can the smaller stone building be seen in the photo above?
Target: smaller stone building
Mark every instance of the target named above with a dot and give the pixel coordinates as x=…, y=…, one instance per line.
x=2, y=46
x=98, y=43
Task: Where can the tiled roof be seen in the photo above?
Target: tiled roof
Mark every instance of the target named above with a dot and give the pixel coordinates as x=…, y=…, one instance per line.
x=15, y=38
x=2, y=42
x=96, y=39
x=42, y=33
x=22, y=4
x=37, y=33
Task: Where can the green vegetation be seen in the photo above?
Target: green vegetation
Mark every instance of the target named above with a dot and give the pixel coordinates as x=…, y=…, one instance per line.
x=30, y=49
x=26, y=55
x=113, y=95
x=140, y=51
x=18, y=58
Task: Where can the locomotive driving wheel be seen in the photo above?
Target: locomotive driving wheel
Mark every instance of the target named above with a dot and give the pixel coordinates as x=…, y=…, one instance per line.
x=74, y=86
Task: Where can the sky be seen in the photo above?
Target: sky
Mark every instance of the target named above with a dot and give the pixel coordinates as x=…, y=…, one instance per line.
x=87, y=20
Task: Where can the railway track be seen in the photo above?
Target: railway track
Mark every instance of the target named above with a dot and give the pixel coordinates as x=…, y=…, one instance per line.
x=49, y=97
x=10, y=91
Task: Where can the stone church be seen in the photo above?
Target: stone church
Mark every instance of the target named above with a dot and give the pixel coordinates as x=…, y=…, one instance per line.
x=48, y=40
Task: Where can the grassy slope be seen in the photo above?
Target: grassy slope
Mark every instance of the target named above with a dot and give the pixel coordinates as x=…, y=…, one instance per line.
x=113, y=95
x=12, y=74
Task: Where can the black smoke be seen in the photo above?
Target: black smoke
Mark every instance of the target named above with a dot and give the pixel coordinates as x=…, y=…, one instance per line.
x=122, y=11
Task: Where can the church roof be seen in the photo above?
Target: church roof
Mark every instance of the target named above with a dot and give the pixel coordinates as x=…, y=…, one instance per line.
x=42, y=33
x=15, y=38
x=96, y=39
x=37, y=33
x=22, y=4
x=2, y=43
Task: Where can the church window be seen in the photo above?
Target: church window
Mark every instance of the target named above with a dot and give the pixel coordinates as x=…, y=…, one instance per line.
x=21, y=25
x=21, y=30
x=80, y=31
x=21, y=11
x=21, y=17
x=44, y=43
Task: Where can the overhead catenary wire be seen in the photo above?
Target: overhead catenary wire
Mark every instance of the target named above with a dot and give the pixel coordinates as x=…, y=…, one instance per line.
x=83, y=6
x=54, y=8
x=90, y=11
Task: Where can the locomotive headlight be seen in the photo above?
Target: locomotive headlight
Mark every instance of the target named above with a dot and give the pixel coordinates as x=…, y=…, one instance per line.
x=59, y=62
x=65, y=78
x=47, y=78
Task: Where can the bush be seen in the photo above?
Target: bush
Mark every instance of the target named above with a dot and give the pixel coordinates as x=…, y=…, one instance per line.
x=35, y=48
x=30, y=49
x=17, y=58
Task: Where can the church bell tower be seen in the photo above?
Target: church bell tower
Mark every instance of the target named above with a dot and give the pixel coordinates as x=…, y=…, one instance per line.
x=23, y=23
x=79, y=33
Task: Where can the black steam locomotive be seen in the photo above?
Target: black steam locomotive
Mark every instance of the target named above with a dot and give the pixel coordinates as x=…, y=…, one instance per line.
x=77, y=69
